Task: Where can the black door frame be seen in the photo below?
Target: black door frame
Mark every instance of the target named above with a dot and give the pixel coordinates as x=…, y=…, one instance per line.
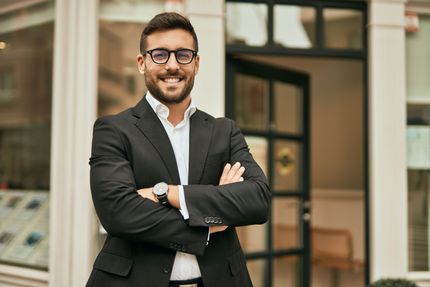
x=319, y=51
x=303, y=193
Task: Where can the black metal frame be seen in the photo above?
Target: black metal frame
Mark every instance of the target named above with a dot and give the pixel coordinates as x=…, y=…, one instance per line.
x=319, y=51
x=299, y=79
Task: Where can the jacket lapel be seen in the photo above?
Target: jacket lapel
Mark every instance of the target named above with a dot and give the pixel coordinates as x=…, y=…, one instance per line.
x=200, y=138
x=149, y=124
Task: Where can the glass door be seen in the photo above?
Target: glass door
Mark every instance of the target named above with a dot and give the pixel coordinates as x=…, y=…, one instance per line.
x=271, y=106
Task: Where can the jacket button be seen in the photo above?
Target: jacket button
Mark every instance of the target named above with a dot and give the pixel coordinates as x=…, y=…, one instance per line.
x=165, y=269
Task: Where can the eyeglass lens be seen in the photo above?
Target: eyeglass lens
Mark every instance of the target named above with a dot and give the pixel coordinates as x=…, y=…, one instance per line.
x=161, y=56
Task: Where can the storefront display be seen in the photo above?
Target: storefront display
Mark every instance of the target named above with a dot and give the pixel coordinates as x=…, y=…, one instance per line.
x=24, y=225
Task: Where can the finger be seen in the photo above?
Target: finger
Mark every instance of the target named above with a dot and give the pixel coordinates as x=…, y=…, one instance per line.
x=238, y=174
x=241, y=179
x=225, y=171
x=232, y=172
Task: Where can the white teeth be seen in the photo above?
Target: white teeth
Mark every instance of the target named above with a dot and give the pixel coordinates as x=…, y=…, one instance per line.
x=171, y=80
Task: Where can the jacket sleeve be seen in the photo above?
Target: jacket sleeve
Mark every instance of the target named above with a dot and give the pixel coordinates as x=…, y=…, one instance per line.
x=236, y=204
x=121, y=210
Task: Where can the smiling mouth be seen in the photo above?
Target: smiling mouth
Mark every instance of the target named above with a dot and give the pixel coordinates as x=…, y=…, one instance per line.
x=171, y=80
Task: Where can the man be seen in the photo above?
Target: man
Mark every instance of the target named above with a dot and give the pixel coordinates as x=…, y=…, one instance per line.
x=170, y=182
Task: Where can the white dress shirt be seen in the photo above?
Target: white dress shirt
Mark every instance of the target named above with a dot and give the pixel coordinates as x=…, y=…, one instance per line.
x=185, y=265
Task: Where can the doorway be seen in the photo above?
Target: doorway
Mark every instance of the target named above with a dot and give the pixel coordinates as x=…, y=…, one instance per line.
x=316, y=108
x=327, y=42
x=271, y=105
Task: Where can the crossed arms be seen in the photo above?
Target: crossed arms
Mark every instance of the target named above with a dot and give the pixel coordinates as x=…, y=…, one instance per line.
x=230, y=174
x=126, y=214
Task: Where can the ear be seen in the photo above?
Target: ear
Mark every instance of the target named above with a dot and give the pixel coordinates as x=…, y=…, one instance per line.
x=196, y=64
x=141, y=63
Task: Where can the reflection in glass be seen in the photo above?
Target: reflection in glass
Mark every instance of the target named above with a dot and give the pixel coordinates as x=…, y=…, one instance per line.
x=246, y=23
x=417, y=62
x=285, y=218
x=287, y=270
x=25, y=99
x=418, y=219
x=258, y=147
x=418, y=145
x=26, y=57
x=294, y=26
x=120, y=84
x=256, y=270
x=287, y=166
x=253, y=237
x=343, y=28
x=288, y=108
x=251, y=102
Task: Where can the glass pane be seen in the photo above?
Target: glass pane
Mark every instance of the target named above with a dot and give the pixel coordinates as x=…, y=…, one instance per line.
x=417, y=62
x=24, y=228
x=418, y=219
x=343, y=28
x=418, y=145
x=246, y=23
x=253, y=237
x=285, y=218
x=294, y=26
x=286, y=166
x=288, y=108
x=251, y=102
x=120, y=86
x=256, y=270
x=26, y=57
x=418, y=164
x=287, y=271
x=258, y=147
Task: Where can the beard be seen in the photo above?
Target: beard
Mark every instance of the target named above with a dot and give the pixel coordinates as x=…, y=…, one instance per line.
x=157, y=93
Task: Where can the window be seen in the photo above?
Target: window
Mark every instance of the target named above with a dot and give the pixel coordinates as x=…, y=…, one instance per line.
x=418, y=143
x=26, y=53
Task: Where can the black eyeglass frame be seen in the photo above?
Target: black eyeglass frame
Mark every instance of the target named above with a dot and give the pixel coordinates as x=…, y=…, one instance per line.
x=194, y=53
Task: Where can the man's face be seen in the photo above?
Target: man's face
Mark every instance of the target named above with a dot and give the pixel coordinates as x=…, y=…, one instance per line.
x=170, y=83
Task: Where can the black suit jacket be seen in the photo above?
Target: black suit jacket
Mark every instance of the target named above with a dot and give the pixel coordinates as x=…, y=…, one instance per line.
x=130, y=151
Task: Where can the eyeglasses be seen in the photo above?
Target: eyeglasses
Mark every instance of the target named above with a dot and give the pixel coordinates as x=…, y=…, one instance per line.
x=161, y=56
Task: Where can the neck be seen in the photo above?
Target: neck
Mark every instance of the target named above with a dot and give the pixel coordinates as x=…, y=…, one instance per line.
x=176, y=111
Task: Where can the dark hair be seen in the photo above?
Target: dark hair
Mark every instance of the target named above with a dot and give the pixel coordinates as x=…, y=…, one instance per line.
x=167, y=21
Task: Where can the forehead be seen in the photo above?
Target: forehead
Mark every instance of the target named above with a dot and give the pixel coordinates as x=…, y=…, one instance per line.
x=170, y=39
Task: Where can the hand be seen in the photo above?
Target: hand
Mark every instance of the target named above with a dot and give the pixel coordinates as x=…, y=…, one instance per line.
x=147, y=193
x=232, y=174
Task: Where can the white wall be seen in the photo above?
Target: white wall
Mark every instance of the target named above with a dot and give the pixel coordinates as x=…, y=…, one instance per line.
x=387, y=143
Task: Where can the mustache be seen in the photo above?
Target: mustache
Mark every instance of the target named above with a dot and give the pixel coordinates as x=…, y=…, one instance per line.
x=172, y=74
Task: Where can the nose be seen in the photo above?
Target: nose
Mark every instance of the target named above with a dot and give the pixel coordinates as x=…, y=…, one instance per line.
x=172, y=64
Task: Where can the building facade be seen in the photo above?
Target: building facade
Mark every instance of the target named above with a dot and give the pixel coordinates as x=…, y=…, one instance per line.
x=333, y=97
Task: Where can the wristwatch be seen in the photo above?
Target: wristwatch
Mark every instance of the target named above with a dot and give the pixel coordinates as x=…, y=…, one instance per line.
x=160, y=191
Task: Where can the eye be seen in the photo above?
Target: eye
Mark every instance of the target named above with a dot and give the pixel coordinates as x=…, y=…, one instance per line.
x=184, y=55
x=159, y=55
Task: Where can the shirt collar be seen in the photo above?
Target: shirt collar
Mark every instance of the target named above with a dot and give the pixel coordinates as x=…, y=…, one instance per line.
x=163, y=111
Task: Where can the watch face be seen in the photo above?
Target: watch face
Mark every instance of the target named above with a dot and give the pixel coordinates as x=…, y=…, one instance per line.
x=160, y=188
